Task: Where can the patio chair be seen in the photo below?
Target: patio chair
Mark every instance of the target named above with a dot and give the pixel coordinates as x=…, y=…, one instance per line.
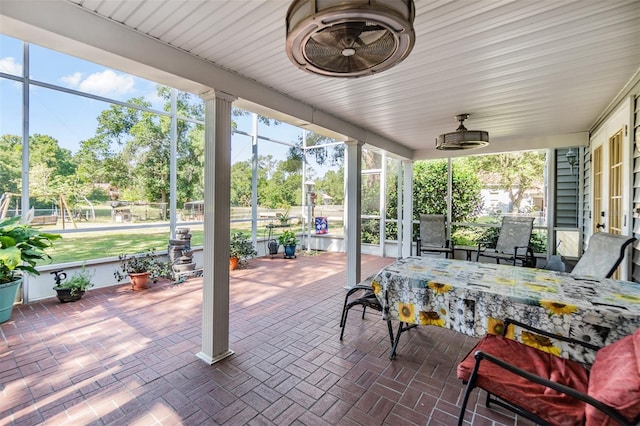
x=365, y=297
x=603, y=255
x=550, y=390
x=513, y=242
x=433, y=236
x=555, y=263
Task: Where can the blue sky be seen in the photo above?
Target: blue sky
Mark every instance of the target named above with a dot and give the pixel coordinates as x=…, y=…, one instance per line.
x=70, y=118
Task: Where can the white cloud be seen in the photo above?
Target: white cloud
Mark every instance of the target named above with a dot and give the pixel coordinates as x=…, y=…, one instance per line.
x=8, y=65
x=73, y=80
x=105, y=83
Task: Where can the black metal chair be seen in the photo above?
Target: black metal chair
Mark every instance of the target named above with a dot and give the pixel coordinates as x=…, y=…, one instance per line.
x=362, y=295
x=603, y=255
x=433, y=236
x=513, y=242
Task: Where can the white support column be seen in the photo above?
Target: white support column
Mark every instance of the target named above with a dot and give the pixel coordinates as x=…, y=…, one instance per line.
x=217, y=178
x=173, y=164
x=399, y=210
x=305, y=198
x=382, y=233
x=550, y=184
x=24, y=190
x=449, y=197
x=353, y=187
x=254, y=179
x=407, y=208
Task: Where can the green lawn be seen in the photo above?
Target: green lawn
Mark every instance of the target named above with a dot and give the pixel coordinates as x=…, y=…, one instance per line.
x=96, y=245
x=78, y=247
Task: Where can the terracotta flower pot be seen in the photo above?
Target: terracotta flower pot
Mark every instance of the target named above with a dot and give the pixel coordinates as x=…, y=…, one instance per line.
x=139, y=281
x=233, y=263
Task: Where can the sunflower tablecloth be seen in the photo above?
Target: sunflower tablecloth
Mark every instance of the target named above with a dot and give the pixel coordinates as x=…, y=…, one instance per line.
x=473, y=298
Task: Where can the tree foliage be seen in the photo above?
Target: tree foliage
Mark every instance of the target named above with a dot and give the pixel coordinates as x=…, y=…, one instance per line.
x=430, y=191
x=514, y=172
x=10, y=163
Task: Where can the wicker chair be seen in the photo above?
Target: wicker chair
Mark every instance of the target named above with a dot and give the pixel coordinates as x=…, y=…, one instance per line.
x=433, y=236
x=603, y=255
x=513, y=242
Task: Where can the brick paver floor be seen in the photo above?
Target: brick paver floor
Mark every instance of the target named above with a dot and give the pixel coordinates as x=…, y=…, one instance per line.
x=121, y=357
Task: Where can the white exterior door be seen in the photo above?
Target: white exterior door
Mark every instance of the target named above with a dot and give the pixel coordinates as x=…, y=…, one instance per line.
x=611, y=177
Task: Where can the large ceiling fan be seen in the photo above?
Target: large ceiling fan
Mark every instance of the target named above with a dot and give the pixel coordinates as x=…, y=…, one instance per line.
x=349, y=38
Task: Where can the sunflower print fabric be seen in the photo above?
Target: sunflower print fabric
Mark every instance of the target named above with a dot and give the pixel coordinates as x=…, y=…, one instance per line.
x=475, y=299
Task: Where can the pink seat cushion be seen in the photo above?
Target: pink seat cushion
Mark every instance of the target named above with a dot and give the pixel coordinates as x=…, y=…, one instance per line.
x=615, y=380
x=555, y=407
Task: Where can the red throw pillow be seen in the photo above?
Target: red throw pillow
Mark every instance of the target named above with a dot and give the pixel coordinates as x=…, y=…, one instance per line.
x=615, y=380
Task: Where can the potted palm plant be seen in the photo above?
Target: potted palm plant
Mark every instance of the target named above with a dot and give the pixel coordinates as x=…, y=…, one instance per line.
x=240, y=248
x=21, y=248
x=289, y=241
x=141, y=269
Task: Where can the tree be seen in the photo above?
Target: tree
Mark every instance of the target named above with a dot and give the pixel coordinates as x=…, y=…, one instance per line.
x=332, y=155
x=241, y=184
x=515, y=172
x=282, y=189
x=10, y=163
x=145, y=140
x=45, y=150
x=430, y=191
x=332, y=184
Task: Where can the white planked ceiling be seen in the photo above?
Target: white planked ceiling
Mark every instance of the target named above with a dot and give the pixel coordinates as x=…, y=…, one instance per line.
x=526, y=70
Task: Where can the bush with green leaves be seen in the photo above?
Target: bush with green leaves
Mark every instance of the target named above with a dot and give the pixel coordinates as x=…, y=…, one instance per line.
x=241, y=246
x=288, y=238
x=21, y=247
x=538, y=241
x=141, y=263
x=77, y=283
x=430, y=193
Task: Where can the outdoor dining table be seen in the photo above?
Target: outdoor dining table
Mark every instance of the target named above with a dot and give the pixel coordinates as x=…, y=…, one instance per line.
x=475, y=298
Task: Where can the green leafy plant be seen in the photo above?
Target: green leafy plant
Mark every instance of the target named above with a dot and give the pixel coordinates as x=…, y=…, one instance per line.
x=77, y=283
x=241, y=247
x=21, y=247
x=284, y=217
x=138, y=264
x=288, y=238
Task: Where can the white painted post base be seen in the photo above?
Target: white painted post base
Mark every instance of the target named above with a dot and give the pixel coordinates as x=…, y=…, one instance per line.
x=212, y=360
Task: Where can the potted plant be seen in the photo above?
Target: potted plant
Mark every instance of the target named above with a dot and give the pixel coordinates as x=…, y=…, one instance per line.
x=141, y=269
x=284, y=217
x=240, y=248
x=289, y=241
x=72, y=289
x=21, y=248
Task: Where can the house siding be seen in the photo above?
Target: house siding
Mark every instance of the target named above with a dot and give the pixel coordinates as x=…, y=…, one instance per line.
x=566, y=201
x=586, y=199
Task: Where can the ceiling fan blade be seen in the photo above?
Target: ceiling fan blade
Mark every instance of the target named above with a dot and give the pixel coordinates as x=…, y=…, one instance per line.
x=372, y=34
x=314, y=50
x=342, y=35
x=382, y=48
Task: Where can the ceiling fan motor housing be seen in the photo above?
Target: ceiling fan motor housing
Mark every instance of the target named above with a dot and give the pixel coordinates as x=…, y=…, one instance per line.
x=462, y=138
x=349, y=38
